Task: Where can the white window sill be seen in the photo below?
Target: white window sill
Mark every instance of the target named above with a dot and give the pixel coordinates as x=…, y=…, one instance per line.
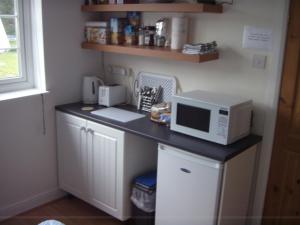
x=21, y=94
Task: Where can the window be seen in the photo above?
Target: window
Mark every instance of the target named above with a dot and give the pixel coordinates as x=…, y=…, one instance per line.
x=21, y=45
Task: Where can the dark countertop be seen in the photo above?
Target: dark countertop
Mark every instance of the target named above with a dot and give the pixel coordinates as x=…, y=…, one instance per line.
x=162, y=134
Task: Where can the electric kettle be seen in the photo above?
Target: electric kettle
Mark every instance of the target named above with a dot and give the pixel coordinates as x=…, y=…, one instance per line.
x=90, y=89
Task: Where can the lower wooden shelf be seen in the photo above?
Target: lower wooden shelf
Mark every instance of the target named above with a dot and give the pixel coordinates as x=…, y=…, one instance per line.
x=162, y=53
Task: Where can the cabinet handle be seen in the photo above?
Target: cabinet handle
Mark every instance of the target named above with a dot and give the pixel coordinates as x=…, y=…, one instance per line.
x=185, y=170
x=162, y=147
x=90, y=130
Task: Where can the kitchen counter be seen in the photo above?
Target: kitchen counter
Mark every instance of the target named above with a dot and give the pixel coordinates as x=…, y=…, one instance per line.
x=162, y=134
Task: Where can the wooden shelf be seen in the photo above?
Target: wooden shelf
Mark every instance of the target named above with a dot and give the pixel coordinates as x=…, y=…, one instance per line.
x=162, y=53
x=155, y=7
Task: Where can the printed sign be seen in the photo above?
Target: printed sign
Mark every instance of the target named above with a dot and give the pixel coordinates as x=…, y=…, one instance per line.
x=257, y=38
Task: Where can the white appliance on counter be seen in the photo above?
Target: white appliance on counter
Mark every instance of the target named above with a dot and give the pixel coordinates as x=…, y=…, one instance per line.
x=90, y=87
x=110, y=95
x=215, y=117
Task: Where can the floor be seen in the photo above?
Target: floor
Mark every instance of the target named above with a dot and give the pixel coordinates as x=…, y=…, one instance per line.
x=68, y=210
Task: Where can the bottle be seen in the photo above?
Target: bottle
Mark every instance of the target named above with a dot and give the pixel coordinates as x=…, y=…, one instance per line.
x=149, y=35
x=141, y=37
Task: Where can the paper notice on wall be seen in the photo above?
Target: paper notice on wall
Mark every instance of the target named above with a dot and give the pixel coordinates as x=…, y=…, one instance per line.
x=258, y=38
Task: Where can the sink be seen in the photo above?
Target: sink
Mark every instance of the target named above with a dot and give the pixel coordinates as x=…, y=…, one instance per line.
x=120, y=115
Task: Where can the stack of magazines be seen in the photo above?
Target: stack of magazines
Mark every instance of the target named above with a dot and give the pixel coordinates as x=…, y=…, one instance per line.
x=147, y=182
x=200, y=48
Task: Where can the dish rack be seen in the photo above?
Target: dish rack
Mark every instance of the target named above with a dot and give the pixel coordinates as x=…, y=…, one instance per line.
x=165, y=85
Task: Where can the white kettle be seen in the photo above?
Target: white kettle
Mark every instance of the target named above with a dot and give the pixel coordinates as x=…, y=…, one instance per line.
x=90, y=89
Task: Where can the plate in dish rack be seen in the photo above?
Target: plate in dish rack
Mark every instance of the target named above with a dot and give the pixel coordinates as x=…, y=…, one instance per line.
x=168, y=83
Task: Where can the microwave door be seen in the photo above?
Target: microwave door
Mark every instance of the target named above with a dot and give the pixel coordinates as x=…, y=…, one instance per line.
x=193, y=117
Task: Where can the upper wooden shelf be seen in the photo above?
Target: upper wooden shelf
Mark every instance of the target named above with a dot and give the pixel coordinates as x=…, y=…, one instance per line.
x=162, y=53
x=155, y=7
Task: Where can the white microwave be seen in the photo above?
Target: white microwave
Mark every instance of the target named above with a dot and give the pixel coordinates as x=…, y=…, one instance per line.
x=215, y=117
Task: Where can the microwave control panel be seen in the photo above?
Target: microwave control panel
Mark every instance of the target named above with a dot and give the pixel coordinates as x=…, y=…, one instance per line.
x=222, y=123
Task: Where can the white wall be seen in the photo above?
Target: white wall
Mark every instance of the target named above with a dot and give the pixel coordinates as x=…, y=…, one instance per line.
x=28, y=173
x=233, y=73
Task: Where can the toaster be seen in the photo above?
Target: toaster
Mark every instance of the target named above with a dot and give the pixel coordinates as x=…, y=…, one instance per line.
x=110, y=95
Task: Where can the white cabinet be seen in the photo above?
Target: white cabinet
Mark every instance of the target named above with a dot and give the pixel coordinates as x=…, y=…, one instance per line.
x=105, y=154
x=72, y=155
x=196, y=190
x=98, y=163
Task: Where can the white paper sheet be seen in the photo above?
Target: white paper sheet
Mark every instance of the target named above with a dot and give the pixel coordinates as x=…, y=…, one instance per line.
x=258, y=38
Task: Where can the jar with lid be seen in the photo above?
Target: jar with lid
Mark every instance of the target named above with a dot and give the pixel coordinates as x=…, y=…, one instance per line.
x=149, y=35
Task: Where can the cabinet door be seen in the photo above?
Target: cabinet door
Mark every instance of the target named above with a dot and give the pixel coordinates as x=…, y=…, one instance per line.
x=105, y=158
x=187, y=188
x=72, y=154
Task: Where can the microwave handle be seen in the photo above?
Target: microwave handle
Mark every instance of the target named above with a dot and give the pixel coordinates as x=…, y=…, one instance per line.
x=252, y=118
x=93, y=88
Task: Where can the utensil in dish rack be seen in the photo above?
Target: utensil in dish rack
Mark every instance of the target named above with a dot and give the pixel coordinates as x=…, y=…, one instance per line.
x=168, y=86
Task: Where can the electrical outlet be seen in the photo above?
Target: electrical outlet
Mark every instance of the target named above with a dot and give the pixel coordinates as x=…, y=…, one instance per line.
x=118, y=70
x=259, y=61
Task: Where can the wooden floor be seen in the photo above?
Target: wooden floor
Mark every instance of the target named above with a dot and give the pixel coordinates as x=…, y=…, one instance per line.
x=68, y=210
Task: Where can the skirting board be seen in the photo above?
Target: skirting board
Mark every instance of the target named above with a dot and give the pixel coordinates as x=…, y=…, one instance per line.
x=30, y=203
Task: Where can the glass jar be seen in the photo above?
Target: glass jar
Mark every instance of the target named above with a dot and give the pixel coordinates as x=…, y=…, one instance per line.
x=149, y=35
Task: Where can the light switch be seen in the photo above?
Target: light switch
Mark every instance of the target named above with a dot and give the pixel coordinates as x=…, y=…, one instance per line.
x=259, y=61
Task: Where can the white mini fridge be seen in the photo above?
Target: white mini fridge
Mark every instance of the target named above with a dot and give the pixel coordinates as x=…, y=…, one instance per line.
x=188, y=188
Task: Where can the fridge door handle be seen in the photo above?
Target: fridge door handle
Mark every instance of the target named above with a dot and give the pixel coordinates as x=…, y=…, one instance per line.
x=185, y=170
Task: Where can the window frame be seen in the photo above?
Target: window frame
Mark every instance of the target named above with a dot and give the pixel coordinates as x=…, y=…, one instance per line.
x=27, y=12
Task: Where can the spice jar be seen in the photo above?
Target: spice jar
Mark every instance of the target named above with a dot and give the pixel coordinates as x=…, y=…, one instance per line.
x=149, y=35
